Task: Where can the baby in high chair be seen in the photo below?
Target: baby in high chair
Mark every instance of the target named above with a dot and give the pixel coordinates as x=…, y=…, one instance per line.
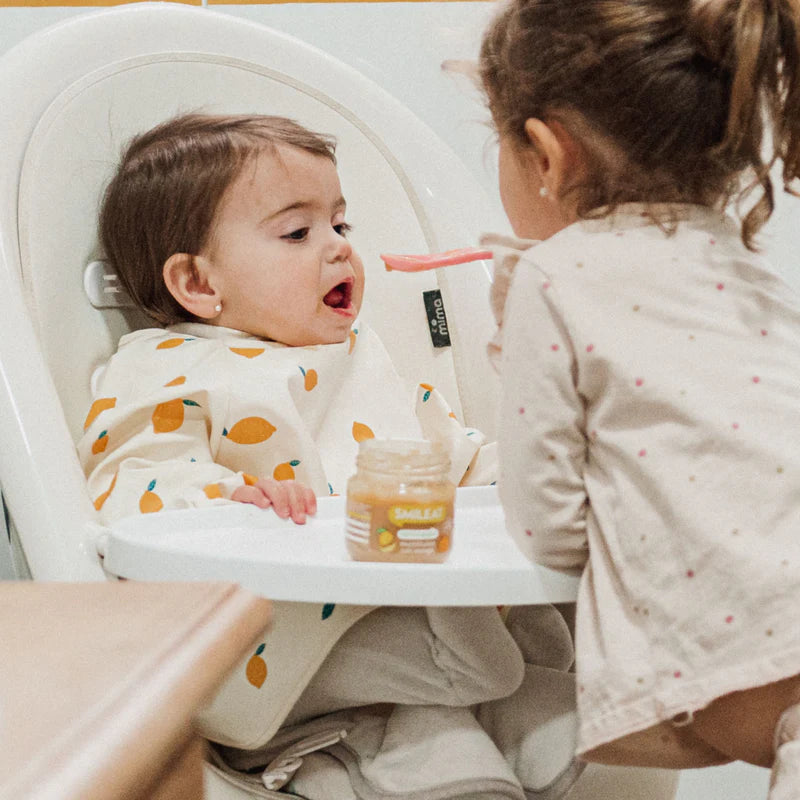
x=230, y=232
x=650, y=433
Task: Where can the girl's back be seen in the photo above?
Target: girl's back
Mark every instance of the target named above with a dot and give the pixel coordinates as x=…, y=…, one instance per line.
x=678, y=356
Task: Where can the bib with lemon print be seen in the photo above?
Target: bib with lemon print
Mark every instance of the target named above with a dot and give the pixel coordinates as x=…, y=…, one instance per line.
x=185, y=416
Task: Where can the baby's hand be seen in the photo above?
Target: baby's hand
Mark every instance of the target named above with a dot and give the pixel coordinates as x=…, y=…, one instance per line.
x=287, y=498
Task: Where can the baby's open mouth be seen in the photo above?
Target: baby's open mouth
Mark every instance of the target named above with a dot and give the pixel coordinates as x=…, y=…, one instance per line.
x=340, y=296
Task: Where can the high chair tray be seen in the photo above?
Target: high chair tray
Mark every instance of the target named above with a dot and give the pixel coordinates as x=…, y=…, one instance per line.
x=310, y=563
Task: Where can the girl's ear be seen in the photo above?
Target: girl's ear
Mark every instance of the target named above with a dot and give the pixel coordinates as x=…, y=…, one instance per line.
x=555, y=152
x=190, y=280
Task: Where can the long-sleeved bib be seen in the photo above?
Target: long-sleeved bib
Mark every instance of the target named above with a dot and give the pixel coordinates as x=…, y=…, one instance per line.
x=185, y=416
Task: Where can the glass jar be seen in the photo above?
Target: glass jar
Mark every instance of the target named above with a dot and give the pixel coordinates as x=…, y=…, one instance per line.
x=400, y=502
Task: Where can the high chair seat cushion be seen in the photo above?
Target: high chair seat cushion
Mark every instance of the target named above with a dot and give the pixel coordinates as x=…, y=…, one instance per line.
x=414, y=752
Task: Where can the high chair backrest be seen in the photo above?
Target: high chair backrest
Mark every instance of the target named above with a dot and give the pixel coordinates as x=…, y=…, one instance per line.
x=71, y=97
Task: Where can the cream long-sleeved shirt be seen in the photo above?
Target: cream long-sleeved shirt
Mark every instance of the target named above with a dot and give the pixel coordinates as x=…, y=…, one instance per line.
x=650, y=439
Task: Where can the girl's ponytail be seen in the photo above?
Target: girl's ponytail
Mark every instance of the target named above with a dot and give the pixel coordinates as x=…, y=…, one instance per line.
x=758, y=42
x=786, y=115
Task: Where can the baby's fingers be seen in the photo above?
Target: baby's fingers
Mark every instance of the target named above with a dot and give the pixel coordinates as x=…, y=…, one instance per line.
x=305, y=499
x=251, y=494
x=289, y=498
x=302, y=501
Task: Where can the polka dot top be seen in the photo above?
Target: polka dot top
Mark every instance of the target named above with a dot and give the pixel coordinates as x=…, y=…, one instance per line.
x=650, y=439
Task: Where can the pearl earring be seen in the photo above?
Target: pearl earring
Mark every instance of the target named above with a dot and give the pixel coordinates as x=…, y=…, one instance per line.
x=218, y=308
x=543, y=191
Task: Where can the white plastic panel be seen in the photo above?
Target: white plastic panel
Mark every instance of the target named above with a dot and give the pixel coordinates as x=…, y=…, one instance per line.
x=281, y=560
x=75, y=148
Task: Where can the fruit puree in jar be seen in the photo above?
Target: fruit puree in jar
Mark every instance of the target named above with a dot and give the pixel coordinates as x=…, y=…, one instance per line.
x=400, y=503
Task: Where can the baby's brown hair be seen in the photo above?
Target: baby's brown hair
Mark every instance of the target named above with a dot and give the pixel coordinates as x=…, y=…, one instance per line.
x=671, y=100
x=165, y=193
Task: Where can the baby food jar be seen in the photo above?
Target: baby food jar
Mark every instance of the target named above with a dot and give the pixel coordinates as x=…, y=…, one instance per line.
x=400, y=502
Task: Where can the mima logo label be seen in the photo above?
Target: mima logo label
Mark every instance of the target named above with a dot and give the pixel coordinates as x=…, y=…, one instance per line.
x=434, y=306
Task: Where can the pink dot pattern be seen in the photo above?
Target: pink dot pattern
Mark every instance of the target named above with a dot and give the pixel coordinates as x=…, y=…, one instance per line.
x=654, y=389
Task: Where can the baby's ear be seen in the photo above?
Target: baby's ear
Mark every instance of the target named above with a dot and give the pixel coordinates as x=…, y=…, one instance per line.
x=189, y=280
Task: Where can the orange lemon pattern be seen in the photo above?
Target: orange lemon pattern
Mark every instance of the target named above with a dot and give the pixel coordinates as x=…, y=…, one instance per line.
x=285, y=471
x=168, y=417
x=361, y=432
x=98, y=503
x=100, y=443
x=261, y=382
x=250, y=430
x=247, y=352
x=168, y=344
x=310, y=378
x=256, y=669
x=150, y=502
x=212, y=491
x=99, y=405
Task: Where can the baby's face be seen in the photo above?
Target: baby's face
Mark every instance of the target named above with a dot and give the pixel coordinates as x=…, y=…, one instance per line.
x=285, y=269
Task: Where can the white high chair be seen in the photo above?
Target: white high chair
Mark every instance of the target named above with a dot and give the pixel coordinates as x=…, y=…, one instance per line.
x=71, y=96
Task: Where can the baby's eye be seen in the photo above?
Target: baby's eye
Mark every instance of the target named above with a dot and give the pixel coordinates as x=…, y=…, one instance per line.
x=297, y=236
x=343, y=228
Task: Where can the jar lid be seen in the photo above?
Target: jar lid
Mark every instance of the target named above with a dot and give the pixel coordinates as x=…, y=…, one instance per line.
x=403, y=454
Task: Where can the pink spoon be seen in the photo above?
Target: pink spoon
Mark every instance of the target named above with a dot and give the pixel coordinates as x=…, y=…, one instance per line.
x=434, y=260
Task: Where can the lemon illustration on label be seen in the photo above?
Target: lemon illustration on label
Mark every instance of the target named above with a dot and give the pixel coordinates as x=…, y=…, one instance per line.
x=387, y=541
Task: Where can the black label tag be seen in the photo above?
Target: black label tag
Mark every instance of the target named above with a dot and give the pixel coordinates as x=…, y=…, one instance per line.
x=437, y=319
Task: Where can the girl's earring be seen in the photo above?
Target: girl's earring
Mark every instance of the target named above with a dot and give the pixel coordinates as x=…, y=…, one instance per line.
x=543, y=191
x=218, y=308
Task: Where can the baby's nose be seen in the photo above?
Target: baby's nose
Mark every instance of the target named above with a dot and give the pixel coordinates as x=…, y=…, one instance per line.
x=341, y=249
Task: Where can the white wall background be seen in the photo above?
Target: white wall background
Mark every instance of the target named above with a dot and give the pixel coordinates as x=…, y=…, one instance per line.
x=401, y=46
